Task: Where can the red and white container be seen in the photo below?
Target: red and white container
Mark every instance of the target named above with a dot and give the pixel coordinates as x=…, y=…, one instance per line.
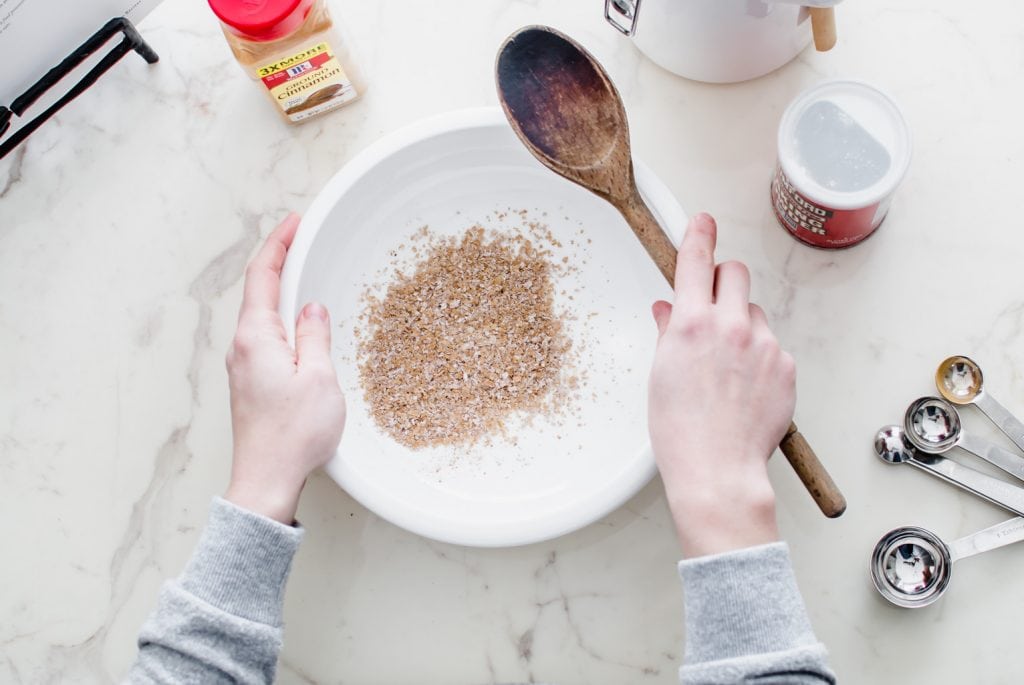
x=844, y=147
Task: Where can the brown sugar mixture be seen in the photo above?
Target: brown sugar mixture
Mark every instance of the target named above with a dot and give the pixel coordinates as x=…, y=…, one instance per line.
x=466, y=340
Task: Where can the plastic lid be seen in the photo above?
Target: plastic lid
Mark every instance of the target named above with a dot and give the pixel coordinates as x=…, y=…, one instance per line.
x=262, y=19
x=844, y=144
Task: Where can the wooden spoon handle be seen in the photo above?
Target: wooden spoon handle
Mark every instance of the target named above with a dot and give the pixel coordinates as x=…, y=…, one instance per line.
x=823, y=26
x=812, y=473
x=658, y=245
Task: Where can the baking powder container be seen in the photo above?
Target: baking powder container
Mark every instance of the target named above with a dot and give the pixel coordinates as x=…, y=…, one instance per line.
x=844, y=147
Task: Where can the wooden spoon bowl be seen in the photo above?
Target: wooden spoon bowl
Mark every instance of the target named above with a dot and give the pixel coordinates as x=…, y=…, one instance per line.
x=565, y=109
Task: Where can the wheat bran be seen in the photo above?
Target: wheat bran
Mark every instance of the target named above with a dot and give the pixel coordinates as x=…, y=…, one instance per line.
x=465, y=339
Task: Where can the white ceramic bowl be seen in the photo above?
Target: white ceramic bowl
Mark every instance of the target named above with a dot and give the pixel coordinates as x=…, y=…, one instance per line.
x=449, y=172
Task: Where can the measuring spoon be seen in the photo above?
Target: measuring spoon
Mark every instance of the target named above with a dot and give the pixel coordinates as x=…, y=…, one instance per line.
x=911, y=566
x=959, y=380
x=933, y=426
x=566, y=111
x=892, y=447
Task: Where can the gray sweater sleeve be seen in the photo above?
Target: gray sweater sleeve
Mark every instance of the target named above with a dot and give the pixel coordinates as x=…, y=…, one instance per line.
x=220, y=622
x=746, y=621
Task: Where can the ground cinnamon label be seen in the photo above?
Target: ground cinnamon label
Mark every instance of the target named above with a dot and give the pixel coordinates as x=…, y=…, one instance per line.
x=308, y=82
x=292, y=49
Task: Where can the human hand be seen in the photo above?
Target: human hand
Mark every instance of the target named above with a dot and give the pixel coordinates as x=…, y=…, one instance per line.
x=287, y=410
x=721, y=395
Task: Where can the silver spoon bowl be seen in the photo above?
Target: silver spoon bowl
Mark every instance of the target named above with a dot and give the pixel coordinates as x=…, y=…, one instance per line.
x=911, y=566
x=959, y=379
x=933, y=426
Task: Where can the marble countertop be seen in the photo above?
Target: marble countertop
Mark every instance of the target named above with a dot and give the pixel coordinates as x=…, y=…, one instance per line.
x=125, y=225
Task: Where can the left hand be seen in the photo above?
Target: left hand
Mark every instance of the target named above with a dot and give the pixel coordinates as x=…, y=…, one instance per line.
x=287, y=409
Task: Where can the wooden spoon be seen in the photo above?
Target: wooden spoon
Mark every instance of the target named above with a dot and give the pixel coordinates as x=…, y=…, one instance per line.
x=565, y=109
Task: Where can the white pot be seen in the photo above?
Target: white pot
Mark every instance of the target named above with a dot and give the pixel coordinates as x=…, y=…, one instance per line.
x=717, y=41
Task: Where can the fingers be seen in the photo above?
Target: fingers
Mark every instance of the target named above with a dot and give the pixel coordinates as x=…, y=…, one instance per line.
x=759, y=327
x=313, y=336
x=263, y=276
x=732, y=287
x=662, y=312
x=757, y=316
x=786, y=366
x=695, y=263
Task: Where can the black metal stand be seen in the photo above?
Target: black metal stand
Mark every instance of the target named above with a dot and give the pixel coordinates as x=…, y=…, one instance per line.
x=132, y=42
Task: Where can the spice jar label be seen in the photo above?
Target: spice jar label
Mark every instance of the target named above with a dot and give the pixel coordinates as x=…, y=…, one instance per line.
x=308, y=82
x=817, y=224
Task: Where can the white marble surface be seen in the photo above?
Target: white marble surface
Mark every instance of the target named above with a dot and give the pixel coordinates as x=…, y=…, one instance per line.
x=124, y=228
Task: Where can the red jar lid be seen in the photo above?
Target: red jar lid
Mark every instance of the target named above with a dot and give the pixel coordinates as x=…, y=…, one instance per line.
x=262, y=20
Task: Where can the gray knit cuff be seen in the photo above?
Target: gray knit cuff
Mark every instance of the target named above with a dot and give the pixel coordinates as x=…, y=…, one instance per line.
x=743, y=602
x=242, y=562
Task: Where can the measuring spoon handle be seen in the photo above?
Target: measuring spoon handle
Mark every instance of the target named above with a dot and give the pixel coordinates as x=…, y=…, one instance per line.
x=1007, y=422
x=998, y=492
x=1012, y=463
x=999, y=535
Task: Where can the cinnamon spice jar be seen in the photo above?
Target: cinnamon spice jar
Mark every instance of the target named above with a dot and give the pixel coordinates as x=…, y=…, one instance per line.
x=292, y=50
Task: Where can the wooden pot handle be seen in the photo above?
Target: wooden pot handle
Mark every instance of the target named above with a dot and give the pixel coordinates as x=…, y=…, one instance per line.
x=812, y=473
x=823, y=25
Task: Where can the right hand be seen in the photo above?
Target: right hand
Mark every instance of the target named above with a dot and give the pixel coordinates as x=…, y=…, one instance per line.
x=287, y=410
x=721, y=395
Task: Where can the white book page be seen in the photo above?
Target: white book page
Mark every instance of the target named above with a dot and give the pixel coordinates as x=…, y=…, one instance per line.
x=35, y=35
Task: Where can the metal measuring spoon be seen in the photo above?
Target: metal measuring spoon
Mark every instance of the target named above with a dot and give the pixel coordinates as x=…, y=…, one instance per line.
x=933, y=425
x=959, y=380
x=911, y=566
x=892, y=447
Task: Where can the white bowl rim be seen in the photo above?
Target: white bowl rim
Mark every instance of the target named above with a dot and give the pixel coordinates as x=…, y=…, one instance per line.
x=662, y=202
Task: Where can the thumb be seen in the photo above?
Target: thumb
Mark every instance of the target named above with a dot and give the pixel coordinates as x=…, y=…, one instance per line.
x=313, y=335
x=662, y=312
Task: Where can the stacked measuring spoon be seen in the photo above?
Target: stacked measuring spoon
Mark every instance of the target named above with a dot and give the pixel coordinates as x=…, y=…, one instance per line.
x=911, y=566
